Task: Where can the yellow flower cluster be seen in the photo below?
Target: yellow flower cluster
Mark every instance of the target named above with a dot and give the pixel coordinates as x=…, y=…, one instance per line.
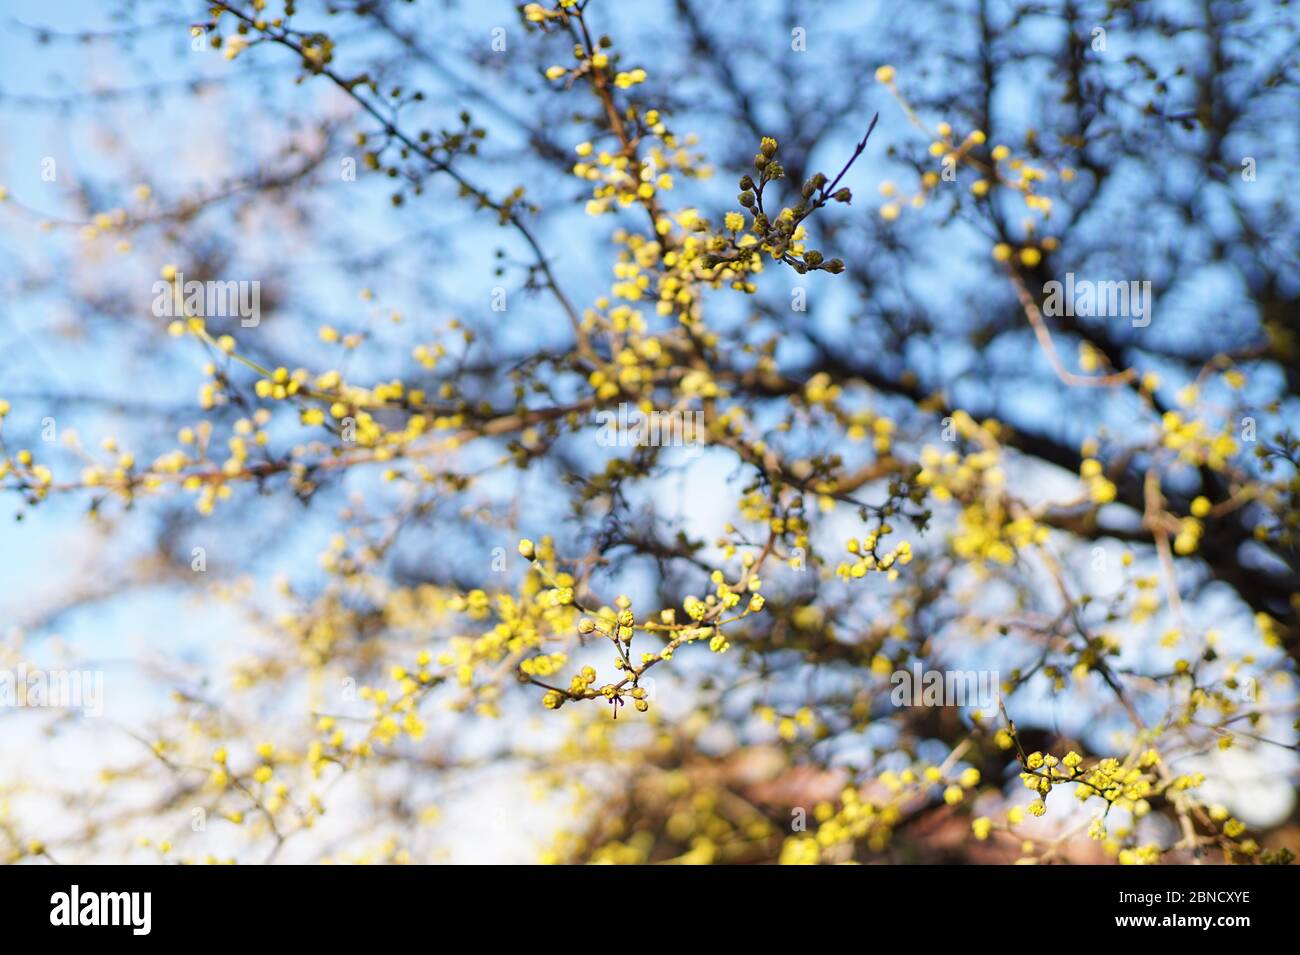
x=870, y=822
x=996, y=167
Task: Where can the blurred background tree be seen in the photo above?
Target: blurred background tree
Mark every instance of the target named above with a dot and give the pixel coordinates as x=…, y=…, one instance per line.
x=372, y=576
